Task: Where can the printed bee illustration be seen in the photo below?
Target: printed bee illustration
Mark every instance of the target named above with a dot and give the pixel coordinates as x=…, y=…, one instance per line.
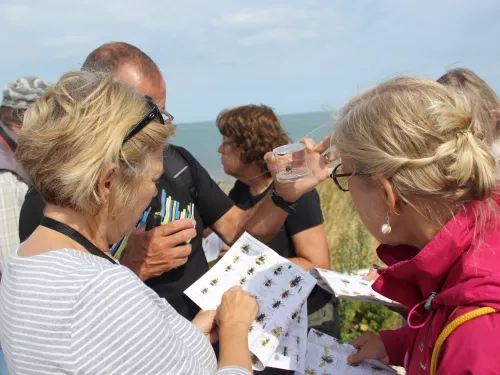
x=357, y=293
x=228, y=268
x=254, y=359
x=278, y=270
x=326, y=358
x=250, y=271
x=245, y=249
x=310, y=371
x=243, y=280
x=364, y=283
x=345, y=291
x=318, y=334
x=290, y=266
x=294, y=314
x=325, y=373
x=214, y=282
x=261, y=260
x=260, y=318
x=299, y=319
x=296, y=281
x=297, y=340
x=236, y=259
x=277, y=304
x=268, y=282
x=345, y=281
x=285, y=351
x=372, y=295
x=285, y=293
x=251, y=329
x=265, y=342
x=254, y=296
x=204, y=291
x=277, y=331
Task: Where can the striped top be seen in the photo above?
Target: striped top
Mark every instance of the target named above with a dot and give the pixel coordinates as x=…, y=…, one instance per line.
x=69, y=312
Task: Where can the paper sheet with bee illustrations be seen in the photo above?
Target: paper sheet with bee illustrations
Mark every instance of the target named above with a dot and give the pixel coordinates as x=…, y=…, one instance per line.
x=350, y=287
x=291, y=351
x=328, y=356
x=280, y=287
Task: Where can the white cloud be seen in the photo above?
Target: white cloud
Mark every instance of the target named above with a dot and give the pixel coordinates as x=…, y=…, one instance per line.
x=277, y=36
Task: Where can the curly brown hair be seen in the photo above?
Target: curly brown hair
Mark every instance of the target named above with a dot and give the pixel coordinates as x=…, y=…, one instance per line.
x=254, y=130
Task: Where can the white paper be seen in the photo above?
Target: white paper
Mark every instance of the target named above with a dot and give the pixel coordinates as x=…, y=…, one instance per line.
x=212, y=246
x=281, y=288
x=328, y=356
x=349, y=287
x=291, y=352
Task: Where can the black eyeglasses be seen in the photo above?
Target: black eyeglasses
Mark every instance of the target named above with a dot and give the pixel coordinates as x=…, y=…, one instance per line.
x=342, y=179
x=154, y=113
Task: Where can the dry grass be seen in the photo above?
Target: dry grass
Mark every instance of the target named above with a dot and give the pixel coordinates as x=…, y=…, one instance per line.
x=351, y=246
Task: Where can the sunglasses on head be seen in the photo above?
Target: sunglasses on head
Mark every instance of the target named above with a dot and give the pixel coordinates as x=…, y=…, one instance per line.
x=154, y=113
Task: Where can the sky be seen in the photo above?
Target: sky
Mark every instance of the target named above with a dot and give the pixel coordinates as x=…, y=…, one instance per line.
x=293, y=55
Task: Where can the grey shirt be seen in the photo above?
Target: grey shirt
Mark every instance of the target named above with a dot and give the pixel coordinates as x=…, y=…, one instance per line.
x=69, y=312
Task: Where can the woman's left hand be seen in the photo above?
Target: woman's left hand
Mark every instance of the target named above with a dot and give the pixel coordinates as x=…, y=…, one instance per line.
x=205, y=322
x=317, y=163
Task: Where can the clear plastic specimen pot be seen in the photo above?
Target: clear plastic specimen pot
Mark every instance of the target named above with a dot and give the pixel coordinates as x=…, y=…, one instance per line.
x=291, y=162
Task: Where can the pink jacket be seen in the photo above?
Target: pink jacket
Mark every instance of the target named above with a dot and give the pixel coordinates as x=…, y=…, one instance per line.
x=463, y=267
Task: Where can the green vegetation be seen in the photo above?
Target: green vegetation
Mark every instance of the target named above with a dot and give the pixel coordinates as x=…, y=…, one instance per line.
x=352, y=248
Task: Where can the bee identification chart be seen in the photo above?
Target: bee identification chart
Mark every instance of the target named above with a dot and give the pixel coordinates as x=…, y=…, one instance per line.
x=349, y=287
x=278, y=335
x=328, y=356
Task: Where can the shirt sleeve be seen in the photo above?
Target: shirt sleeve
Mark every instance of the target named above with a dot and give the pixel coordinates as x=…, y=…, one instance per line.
x=308, y=214
x=120, y=326
x=210, y=201
x=31, y=213
x=12, y=191
x=396, y=343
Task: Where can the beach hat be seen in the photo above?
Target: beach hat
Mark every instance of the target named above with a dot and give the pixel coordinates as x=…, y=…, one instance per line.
x=22, y=93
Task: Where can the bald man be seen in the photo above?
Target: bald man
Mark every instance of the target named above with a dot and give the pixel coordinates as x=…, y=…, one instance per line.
x=160, y=256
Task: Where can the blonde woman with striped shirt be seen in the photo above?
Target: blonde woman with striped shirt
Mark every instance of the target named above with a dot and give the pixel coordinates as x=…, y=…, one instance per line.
x=93, y=148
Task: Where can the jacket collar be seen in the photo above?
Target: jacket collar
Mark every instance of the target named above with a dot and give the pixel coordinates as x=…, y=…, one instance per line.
x=413, y=275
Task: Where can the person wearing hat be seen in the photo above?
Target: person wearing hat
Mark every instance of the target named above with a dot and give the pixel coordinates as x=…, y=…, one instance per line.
x=17, y=97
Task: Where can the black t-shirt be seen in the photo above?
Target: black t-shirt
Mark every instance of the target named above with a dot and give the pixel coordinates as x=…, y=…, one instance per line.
x=211, y=203
x=308, y=215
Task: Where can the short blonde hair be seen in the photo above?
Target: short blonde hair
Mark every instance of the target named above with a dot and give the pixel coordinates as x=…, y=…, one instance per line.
x=429, y=141
x=76, y=129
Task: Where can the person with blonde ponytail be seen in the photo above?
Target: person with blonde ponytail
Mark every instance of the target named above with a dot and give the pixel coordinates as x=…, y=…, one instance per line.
x=473, y=86
x=416, y=159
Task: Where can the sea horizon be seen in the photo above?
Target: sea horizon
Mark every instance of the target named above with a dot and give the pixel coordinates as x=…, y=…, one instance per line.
x=203, y=138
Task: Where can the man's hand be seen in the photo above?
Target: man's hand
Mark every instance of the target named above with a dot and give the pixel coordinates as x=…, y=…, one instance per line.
x=159, y=250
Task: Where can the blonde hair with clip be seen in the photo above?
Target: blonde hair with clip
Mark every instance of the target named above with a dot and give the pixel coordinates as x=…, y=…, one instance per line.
x=76, y=129
x=476, y=89
x=428, y=141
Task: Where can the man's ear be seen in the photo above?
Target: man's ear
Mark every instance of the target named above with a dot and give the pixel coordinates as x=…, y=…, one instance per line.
x=106, y=178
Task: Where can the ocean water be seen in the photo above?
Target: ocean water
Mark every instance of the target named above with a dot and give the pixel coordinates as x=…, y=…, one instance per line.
x=203, y=138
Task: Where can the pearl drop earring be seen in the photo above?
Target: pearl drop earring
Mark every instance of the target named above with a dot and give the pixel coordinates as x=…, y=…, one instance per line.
x=386, y=228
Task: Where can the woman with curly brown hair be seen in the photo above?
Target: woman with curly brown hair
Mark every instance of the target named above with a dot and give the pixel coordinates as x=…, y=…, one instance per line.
x=248, y=132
